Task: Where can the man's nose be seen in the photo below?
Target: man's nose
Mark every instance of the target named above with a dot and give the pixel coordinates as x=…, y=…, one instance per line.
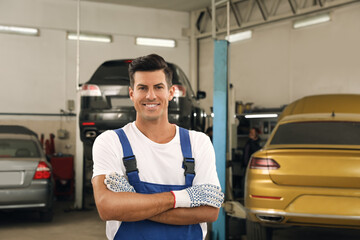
x=151, y=94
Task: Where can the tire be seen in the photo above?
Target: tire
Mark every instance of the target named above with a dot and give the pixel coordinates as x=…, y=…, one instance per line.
x=46, y=216
x=87, y=146
x=88, y=196
x=255, y=231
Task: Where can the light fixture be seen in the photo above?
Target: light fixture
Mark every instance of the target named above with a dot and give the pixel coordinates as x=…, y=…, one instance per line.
x=90, y=37
x=19, y=30
x=269, y=115
x=156, y=42
x=321, y=18
x=239, y=36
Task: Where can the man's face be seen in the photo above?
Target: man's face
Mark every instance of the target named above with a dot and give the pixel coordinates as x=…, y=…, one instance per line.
x=151, y=95
x=252, y=133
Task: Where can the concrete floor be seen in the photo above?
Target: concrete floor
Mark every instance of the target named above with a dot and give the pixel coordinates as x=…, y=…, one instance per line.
x=309, y=233
x=67, y=224
x=80, y=225
x=297, y=233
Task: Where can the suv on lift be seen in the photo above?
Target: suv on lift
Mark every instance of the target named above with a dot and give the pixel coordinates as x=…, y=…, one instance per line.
x=105, y=104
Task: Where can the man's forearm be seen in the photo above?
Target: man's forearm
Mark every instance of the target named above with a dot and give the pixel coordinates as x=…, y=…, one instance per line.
x=115, y=203
x=187, y=216
x=128, y=206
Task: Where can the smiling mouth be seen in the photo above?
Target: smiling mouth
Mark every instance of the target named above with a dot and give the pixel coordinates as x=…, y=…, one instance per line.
x=152, y=105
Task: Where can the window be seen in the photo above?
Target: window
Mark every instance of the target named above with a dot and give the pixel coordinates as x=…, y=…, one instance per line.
x=18, y=148
x=112, y=72
x=327, y=133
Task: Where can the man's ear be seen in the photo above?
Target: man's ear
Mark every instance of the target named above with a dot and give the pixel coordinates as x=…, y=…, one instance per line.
x=171, y=93
x=131, y=93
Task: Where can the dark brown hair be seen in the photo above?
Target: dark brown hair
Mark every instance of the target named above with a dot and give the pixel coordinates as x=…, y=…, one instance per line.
x=149, y=63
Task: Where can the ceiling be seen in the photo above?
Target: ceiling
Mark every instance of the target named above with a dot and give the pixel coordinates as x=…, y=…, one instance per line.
x=176, y=5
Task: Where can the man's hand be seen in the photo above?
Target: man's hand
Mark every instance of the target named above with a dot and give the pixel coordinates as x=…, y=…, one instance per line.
x=117, y=183
x=199, y=195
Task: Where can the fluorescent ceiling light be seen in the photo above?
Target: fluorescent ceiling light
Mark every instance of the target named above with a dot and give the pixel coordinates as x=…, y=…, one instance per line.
x=325, y=17
x=239, y=36
x=19, y=30
x=90, y=37
x=270, y=115
x=156, y=42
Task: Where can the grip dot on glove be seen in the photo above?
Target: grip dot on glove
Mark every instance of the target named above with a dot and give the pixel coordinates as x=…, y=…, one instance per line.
x=199, y=195
x=117, y=183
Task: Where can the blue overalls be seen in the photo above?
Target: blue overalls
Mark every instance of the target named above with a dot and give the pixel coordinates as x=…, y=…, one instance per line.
x=147, y=229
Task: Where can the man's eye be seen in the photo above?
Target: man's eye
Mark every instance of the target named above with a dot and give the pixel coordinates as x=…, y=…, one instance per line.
x=159, y=87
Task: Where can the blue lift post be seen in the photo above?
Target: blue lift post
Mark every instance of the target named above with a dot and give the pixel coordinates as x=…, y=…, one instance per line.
x=220, y=125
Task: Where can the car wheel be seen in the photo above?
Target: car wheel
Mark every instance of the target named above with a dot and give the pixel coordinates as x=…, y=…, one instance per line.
x=46, y=216
x=254, y=231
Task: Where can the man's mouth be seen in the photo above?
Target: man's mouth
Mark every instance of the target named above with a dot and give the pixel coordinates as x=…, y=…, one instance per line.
x=150, y=105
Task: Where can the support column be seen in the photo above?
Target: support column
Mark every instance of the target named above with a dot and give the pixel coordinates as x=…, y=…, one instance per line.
x=220, y=125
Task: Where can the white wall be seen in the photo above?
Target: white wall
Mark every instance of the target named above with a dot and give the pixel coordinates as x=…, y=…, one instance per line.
x=280, y=64
x=38, y=73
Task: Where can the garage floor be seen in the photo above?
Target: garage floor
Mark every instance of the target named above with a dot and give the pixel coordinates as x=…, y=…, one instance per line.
x=81, y=225
x=67, y=224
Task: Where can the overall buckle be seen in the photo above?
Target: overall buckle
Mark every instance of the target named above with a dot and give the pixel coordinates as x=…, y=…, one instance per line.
x=189, y=166
x=130, y=164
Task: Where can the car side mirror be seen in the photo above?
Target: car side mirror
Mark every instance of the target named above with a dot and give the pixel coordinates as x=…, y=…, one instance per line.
x=201, y=95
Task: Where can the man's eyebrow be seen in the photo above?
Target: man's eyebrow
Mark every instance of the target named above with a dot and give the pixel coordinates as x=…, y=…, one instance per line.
x=144, y=85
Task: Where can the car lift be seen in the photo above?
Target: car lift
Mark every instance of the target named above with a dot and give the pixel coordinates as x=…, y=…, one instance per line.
x=220, y=131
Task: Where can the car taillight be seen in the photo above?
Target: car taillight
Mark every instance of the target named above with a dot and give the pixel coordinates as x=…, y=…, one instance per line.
x=180, y=91
x=88, y=123
x=263, y=163
x=42, y=171
x=90, y=90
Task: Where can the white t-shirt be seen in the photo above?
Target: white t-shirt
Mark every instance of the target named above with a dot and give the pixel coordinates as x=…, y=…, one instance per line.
x=157, y=163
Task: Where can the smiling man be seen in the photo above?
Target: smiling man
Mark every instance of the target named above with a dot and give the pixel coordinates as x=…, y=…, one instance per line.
x=153, y=179
x=151, y=95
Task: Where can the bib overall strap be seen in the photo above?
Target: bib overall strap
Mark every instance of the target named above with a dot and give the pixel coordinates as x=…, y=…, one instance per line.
x=189, y=161
x=129, y=159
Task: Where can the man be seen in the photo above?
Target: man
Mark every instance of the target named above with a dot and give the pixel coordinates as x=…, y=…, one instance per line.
x=252, y=145
x=165, y=185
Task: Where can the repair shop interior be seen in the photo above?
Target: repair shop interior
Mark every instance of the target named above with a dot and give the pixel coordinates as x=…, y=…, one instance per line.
x=272, y=87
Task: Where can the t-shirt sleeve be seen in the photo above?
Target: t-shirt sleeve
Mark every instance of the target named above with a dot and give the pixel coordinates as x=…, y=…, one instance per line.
x=107, y=154
x=204, y=154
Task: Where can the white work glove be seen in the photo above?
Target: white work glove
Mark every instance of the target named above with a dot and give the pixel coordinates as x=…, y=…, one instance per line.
x=117, y=183
x=199, y=195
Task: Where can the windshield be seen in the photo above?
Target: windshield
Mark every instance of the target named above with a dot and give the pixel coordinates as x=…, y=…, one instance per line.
x=18, y=148
x=324, y=133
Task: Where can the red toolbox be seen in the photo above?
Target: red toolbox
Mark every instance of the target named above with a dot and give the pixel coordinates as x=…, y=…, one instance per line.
x=63, y=172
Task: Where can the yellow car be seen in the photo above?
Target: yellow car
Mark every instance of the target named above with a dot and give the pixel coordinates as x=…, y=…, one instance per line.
x=308, y=173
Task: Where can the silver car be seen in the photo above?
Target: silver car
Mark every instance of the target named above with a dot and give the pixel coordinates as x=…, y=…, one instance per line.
x=25, y=174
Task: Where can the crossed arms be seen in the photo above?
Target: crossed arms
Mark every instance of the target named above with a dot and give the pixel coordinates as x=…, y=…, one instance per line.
x=159, y=207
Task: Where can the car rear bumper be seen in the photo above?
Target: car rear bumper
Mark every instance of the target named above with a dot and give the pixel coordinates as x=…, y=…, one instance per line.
x=101, y=121
x=279, y=218
x=271, y=203
x=38, y=195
